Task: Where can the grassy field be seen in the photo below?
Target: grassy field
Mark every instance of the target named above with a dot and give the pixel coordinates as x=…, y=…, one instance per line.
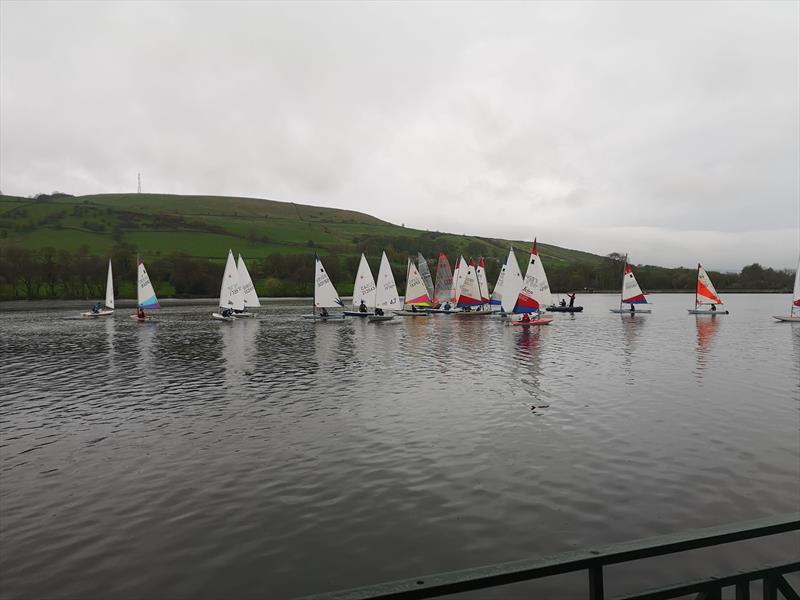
x=206, y=226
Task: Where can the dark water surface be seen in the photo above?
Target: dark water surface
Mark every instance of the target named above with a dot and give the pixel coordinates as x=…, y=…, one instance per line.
x=188, y=458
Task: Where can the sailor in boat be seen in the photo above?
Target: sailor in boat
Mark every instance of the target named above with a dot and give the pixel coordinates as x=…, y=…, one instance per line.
x=378, y=312
x=713, y=308
x=227, y=312
x=323, y=312
x=413, y=308
x=96, y=308
x=525, y=318
x=633, y=308
x=362, y=308
x=563, y=303
x=446, y=306
x=571, y=299
x=140, y=313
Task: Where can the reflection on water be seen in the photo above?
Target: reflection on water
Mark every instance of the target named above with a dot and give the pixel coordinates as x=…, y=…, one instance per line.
x=275, y=457
x=707, y=327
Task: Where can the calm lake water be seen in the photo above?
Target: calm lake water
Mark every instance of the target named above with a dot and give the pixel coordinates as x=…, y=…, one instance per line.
x=271, y=458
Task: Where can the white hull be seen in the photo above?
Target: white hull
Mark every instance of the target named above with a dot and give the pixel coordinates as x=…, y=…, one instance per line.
x=320, y=318
x=356, y=313
x=708, y=312
x=788, y=318
x=627, y=311
x=102, y=313
x=244, y=315
x=381, y=318
x=411, y=313
x=222, y=317
x=474, y=313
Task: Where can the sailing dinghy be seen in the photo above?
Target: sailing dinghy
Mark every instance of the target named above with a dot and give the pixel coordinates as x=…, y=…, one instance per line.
x=363, y=289
x=109, y=298
x=631, y=294
x=794, y=313
x=469, y=293
x=416, y=295
x=325, y=295
x=386, y=298
x=145, y=294
x=249, y=294
x=231, y=298
x=705, y=294
x=535, y=293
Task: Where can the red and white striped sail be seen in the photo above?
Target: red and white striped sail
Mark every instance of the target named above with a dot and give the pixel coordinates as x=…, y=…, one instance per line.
x=443, y=289
x=706, y=294
x=631, y=292
x=483, y=285
x=469, y=294
x=416, y=290
x=535, y=293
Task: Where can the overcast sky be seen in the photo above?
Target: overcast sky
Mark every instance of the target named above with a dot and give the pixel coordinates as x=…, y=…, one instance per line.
x=667, y=130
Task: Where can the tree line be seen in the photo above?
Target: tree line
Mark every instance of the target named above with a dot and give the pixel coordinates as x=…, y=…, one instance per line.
x=61, y=274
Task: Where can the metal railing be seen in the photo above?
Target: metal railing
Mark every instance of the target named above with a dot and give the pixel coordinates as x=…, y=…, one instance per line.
x=593, y=561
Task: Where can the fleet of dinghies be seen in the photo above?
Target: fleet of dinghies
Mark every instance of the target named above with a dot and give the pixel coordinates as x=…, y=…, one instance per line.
x=462, y=291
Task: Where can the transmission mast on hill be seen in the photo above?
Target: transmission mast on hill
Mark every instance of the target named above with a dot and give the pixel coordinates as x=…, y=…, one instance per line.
x=139, y=183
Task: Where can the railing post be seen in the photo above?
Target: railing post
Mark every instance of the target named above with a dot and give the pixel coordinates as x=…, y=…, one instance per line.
x=770, y=589
x=743, y=590
x=596, y=591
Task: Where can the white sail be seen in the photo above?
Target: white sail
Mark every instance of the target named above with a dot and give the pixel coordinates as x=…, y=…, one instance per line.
x=325, y=295
x=386, y=295
x=110, y=288
x=512, y=282
x=416, y=290
x=483, y=285
x=230, y=292
x=145, y=294
x=364, y=286
x=250, y=296
x=425, y=273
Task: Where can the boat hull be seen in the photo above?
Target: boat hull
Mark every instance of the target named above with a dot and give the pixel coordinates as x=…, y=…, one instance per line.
x=708, y=312
x=411, y=313
x=533, y=322
x=328, y=318
x=356, y=313
x=141, y=319
x=221, y=317
x=102, y=313
x=625, y=311
x=565, y=309
x=474, y=313
x=787, y=318
x=380, y=318
x=244, y=315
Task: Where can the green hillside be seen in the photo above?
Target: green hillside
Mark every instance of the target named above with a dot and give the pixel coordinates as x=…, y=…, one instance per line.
x=206, y=226
x=56, y=246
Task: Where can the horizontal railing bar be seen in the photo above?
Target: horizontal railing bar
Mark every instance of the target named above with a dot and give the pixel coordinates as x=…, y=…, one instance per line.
x=465, y=580
x=703, y=585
